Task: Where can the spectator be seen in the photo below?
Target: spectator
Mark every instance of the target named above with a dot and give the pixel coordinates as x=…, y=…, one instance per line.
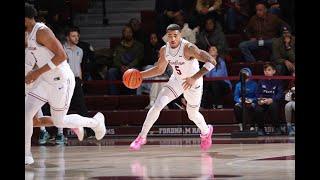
x=208, y=9
x=250, y=99
x=283, y=50
x=261, y=28
x=212, y=35
x=269, y=93
x=138, y=33
x=89, y=65
x=274, y=7
x=238, y=13
x=151, y=54
x=166, y=11
x=75, y=58
x=216, y=89
x=289, y=109
x=186, y=32
x=128, y=54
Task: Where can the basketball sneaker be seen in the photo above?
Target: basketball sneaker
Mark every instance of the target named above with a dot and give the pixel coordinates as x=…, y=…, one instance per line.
x=291, y=131
x=43, y=137
x=79, y=132
x=137, y=143
x=100, y=130
x=28, y=160
x=206, y=140
x=60, y=139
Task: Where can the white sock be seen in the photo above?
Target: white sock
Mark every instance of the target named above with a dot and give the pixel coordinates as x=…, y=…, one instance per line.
x=76, y=121
x=60, y=130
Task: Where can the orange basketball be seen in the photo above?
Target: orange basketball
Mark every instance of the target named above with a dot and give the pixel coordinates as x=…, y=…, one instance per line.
x=132, y=78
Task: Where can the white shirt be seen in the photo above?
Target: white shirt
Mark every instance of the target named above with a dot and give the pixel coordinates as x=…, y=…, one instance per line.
x=74, y=59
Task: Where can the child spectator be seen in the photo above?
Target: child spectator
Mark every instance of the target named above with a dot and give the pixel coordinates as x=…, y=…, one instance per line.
x=289, y=109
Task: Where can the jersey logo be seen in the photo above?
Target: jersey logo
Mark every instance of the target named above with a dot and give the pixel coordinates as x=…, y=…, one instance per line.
x=197, y=87
x=56, y=78
x=32, y=48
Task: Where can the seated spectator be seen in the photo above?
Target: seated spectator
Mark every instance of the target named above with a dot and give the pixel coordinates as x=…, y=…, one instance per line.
x=212, y=35
x=238, y=13
x=250, y=99
x=208, y=9
x=269, y=93
x=186, y=32
x=261, y=28
x=138, y=33
x=289, y=109
x=283, y=50
x=167, y=10
x=128, y=54
x=151, y=55
x=274, y=7
x=216, y=89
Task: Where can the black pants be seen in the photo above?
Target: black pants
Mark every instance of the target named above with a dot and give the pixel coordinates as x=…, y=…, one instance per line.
x=78, y=102
x=272, y=110
x=213, y=91
x=238, y=109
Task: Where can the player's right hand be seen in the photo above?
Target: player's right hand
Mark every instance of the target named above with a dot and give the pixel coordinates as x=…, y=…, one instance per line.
x=32, y=76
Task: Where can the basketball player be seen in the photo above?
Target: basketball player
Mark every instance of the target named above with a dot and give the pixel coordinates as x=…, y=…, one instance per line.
x=186, y=79
x=55, y=83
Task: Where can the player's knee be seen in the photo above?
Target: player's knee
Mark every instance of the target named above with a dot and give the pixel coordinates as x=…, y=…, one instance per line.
x=161, y=103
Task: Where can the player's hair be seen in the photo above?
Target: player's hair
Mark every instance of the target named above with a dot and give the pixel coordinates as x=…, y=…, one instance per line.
x=72, y=29
x=173, y=27
x=30, y=11
x=266, y=65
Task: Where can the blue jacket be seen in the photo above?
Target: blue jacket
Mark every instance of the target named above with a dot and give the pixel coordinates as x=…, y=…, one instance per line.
x=219, y=71
x=251, y=88
x=270, y=89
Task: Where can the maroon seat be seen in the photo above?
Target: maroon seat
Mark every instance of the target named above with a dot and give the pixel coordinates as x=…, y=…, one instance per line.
x=236, y=54
x=114, y=41
x=102, y=102
x=234, y=40
x=262, y=54
x=133, y=102
x=95, y=87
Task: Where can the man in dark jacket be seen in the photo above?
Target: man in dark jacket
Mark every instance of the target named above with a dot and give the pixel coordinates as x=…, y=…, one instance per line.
x=261, y=28
x=269, y=93
x=283, y=50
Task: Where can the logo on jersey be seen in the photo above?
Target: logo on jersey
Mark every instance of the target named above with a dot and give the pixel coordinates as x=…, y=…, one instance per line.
x=32, y=48
x=176, y=63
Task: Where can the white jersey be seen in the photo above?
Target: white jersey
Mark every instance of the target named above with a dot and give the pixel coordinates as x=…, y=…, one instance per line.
x=182, y=68
x=42, y=55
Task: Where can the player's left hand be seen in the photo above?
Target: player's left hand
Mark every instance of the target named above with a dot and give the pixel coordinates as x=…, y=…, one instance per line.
x=188, y=83
x=32, y=76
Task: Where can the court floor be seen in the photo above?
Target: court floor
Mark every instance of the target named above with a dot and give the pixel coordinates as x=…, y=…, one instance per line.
x=263, y=158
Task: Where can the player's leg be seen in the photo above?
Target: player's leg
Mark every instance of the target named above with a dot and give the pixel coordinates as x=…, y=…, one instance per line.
x=193, y=97
x=59, y=104
x=166, y=95
x=32, y=106
x=43, y=135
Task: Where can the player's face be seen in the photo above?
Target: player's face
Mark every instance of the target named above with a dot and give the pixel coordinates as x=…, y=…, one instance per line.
x=27, y=22
x=174, y=37
x=74, y=37
x=269, y=71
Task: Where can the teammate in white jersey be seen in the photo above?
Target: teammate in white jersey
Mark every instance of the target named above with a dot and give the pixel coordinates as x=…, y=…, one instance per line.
x=55, y=83
x=186, y=79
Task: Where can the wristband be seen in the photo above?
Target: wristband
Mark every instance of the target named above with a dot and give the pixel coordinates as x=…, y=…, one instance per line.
x=208, y=66
x=51, y=65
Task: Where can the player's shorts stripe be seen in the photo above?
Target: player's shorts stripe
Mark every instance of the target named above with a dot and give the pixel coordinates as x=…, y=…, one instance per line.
x=60, y=109
x=193, y=106
x=37, y=97
x=172, y=90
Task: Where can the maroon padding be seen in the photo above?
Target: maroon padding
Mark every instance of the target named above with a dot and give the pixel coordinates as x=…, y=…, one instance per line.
x=148, y=22
x=136, y=118
x=133, y=102
x=220, y=116
x=116, y=118
x=234, y=40
x=114, y=41
x=102, y=102
x=169, y=117
x=95, y=87
x=235, y=53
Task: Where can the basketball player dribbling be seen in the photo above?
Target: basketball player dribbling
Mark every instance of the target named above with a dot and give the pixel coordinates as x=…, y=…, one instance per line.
x=55, y=83
x=186, y=79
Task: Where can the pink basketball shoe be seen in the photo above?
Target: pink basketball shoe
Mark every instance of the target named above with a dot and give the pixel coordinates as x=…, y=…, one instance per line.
x=206, y=140
x=137, y=143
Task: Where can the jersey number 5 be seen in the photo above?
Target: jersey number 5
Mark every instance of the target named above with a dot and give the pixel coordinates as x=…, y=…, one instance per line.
x=177, y=69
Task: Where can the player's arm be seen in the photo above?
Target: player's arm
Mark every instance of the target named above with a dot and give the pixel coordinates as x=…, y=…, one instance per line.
x=192, y=51
x=43, y=121
x=46, y=38
x=159, y=68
